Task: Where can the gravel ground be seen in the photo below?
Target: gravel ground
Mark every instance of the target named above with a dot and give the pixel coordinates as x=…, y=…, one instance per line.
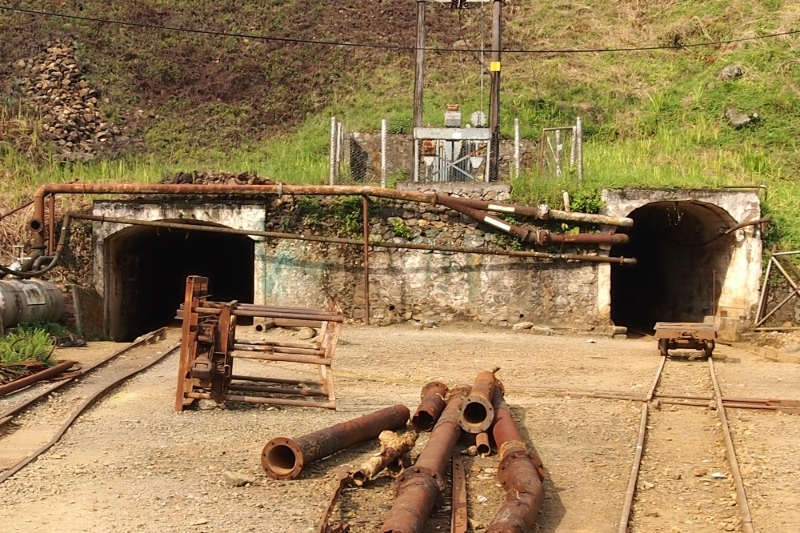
x=131, y=464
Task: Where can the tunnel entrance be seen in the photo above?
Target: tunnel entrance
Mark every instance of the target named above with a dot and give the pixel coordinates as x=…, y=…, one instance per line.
x=146, y=270
x=682, y=257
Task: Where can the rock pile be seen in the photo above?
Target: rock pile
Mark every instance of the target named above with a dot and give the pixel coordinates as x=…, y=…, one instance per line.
x=217, y=178
x=68, y=106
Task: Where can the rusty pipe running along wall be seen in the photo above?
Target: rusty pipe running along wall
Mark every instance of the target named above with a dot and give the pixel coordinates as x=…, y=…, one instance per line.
x=37, y=224
x=284, y=457
x=420, y=487
x=520, y=472
x=358, y=242
x=477, y=413
x=431, y=406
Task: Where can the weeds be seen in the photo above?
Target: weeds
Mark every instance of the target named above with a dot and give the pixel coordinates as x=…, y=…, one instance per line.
x=26, y=344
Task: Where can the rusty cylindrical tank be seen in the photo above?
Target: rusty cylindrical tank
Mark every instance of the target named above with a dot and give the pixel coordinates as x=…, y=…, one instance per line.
x=421, y=486
x=431, y=406
x=477, y=412
x=520, y=472
x=29, y=300
x=284, y=457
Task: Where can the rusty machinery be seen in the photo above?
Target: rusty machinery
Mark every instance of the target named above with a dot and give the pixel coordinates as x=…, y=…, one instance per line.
x=685, y=336
x=209, y=347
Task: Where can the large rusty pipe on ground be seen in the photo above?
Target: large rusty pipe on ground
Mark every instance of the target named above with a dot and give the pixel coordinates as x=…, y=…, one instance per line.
x=477, y=413
x=422, y=485
x=339, y=240
x=431, y=406
x=284, y=457
x=520, y=472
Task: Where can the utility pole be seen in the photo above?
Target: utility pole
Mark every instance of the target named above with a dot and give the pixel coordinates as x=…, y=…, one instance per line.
x=419, y=67
x=494, y=97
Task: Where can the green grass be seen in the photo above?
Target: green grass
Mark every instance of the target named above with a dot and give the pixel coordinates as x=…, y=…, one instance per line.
x=651, y=118
x=26, y=344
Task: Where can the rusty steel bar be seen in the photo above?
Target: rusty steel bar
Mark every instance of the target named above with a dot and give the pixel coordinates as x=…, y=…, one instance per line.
x=520, y=472
x=51, y=226
x=393, y=447
x=637, y=463
x=459, y=521
x=482, y=444
x=365, y=223
x=741, y=495
x=284, y=457
x=34, y=378
x=343, y=480
x=657, y=377
x=478, y=413
x=420, y=486
x=339, y=240
x=261, y=399
x=16, y=209
x=431, y=406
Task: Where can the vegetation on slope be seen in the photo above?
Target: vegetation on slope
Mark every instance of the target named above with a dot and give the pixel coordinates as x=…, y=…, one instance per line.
x=653, y=118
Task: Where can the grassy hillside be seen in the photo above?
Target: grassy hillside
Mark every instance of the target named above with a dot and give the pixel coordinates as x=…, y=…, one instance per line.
x=652, y=118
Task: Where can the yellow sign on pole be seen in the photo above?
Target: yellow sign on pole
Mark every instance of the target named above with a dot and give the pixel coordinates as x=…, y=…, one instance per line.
x=494, y=66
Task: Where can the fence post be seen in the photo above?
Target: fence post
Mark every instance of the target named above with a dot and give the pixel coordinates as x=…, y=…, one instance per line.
x=383, y=153
x=516, y=148
x=332, y=175
x=579, y=135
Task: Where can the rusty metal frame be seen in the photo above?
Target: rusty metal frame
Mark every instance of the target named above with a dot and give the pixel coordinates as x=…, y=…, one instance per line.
x=761, y=317
x=209, y=347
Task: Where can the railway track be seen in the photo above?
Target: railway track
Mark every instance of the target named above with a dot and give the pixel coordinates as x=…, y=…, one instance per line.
x=701, y=476
x=34, y=419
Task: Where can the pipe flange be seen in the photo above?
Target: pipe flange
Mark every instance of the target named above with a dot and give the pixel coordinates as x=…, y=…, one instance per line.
x=282, y=458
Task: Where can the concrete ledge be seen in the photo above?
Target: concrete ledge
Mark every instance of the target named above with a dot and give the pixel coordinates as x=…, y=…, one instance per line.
x=770, y=353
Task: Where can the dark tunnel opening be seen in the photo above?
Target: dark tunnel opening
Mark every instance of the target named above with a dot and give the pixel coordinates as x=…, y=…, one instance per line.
x=682, y=258
x=147, y=271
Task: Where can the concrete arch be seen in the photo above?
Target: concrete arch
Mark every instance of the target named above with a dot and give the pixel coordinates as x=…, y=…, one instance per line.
x=146, y=268
x=684, y=257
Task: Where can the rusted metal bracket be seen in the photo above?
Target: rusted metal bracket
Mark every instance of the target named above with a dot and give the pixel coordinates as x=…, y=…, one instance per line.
x=209, y=347
x=340, y=527
x=459, y=521
x=761, y=312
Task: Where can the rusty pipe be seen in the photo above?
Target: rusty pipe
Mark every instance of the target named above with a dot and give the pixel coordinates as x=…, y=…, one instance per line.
x=477, y=413
x=520, y=472
x=37, y=223
x=339, y=240
x=543, y=212
x=536, y=236
x=420, y=487
x=38, y=376
x=546, y=237
x=431, y=406
x=482, y=444
x=62, y=243
x=284, y=457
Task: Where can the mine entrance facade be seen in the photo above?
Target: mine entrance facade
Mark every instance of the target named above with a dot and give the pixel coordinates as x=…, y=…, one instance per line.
x=683, y=256
x=146, y=270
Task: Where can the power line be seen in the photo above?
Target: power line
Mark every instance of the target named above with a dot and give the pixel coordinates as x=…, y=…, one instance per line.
x=289, y=40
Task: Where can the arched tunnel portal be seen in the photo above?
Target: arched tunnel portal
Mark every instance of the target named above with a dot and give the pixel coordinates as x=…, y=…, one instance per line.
x=146, y=270
x=682, y=255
